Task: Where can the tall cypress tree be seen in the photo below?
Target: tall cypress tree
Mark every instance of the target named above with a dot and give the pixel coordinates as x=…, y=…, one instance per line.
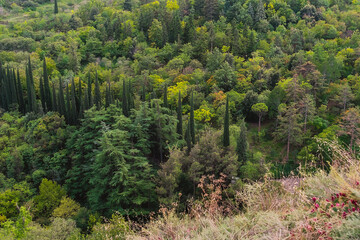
x=241, y=145
x=179, y=129
x=80, y=100
x=12, y=78
x=2, y=89
x=54, y=101
x=226, y=135
x=192, y=120
x=107, y=96
x=62, y=108
x=89, y=90
x=47, y=92
x=7, y=87
x=56, y=9
x=74, y=113
x=32, y=107
x=20, y=94
x=28, y=91
x=86, y=101
x=125, y=105
x=165, y=97
x=188, y=138
x=68, y=105
x=42, y=95
x=97, y=98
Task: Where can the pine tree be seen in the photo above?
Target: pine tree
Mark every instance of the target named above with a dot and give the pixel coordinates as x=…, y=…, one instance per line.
x=192, y=120
x=241, y=145
x=179, y=129
x=97, y=99
x=290, y=128
x=165, y=97
x=226, y=135
x=56, y=9
x=47, y=93
x=62, y=108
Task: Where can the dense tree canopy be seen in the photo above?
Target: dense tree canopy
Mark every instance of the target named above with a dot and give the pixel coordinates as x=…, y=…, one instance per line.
x=119, y=106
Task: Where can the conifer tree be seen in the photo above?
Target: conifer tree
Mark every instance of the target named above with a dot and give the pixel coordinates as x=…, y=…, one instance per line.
x=188, y=138
x=74, y=113
x=89, y=90
x=192, y=120
x=143, y=93
x=80, y=101
x=3, y=102
x=56, y=9
x=20, y=94
x=127, y=5
x=97, y=99
x=125, y=105
x=62, y=108
x=68, y=105
x=47, y=93
x=107, y=96
x=31, y=89
x=226, y=135
x=28, y=91
x=86, y=101
x=179, y=129
x=12, y=79
x=42, y=95
x=165, y=97
x=130, y=97
x=54, y=100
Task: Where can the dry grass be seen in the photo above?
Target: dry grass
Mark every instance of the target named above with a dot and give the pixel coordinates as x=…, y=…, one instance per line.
x=270, y=211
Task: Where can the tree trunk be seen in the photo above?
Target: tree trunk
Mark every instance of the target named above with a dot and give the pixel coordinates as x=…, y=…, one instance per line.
x=288, y=148
x=259, y=127
x=305, y=121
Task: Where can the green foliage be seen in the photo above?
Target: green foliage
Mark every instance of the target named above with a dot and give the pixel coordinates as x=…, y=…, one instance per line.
x=67, y=208
x=49, y=198
x=159, y=72
x=226, y=134
x=19, y=228
x=121, y=176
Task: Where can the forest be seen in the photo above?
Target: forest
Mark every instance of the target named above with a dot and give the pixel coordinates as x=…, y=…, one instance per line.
x=119, y=116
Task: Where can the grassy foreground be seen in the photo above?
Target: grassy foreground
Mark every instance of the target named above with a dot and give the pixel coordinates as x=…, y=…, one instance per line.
x=323, y=206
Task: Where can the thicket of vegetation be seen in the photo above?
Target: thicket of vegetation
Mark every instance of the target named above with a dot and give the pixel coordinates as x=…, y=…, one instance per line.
x=116, y=109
